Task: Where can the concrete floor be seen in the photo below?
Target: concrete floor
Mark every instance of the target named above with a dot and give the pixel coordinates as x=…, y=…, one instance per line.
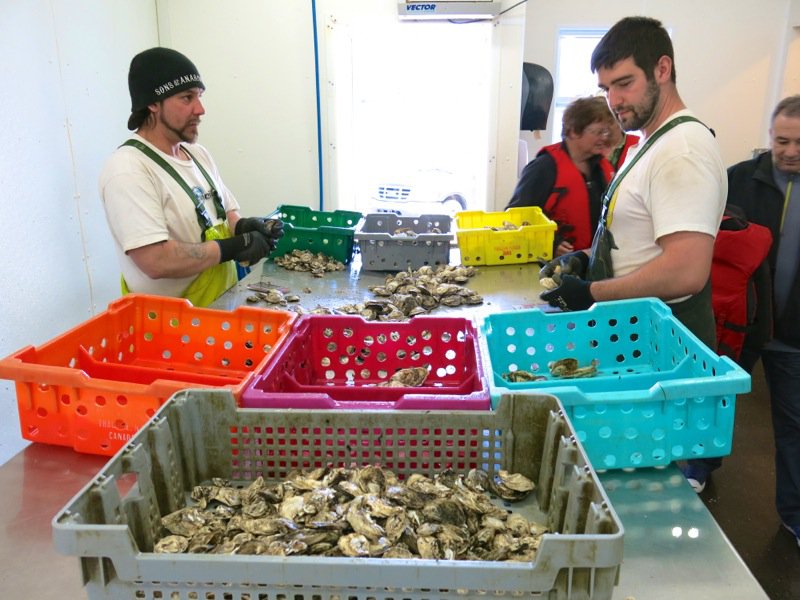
x=741, y=497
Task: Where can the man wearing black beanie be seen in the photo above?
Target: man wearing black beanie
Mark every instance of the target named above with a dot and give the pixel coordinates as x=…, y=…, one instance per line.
x=176, y=227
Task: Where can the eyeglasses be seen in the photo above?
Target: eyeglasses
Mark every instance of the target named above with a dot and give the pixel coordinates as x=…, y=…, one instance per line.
x=598, y=131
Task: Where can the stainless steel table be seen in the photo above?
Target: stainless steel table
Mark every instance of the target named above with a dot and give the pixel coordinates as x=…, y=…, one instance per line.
x=673, y=546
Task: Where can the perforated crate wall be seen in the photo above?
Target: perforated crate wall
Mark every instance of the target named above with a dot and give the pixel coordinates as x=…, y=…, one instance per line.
x=339, y=362
x=93, y=386
x=199, y=434
x=329, y=232
x=659, y=393
x=385, y=244
x=484, y=238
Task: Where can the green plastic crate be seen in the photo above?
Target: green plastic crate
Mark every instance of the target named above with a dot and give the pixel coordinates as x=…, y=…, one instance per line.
x=331, y=233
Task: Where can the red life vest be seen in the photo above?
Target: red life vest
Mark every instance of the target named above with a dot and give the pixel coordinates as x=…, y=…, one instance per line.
x=568, y=203
x=739, y=250
x=630, y=140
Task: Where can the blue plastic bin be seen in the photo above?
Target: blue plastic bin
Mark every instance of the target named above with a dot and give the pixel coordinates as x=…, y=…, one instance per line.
x=659, y=394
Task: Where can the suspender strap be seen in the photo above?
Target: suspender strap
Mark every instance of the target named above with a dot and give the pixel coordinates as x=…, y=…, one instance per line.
x=607, y=210
x=203, y=218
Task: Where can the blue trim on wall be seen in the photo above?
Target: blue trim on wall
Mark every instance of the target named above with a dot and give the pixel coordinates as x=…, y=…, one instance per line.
x=319, y=113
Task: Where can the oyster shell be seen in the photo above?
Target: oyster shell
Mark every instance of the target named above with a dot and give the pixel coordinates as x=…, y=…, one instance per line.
x=364, y=511
x=568, y=368
x=171, y=544
x=353, y=544
x=512, y=486
x=521, y=375
x=409, y=377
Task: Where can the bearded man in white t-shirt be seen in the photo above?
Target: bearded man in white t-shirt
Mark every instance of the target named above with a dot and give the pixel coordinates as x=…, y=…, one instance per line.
x=176, y=226
x=663, y=209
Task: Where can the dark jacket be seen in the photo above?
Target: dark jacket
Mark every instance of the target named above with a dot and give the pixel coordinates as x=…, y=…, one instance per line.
x=752, y=187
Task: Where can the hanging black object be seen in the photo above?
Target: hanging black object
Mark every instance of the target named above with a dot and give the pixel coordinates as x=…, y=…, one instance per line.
x=537, y=96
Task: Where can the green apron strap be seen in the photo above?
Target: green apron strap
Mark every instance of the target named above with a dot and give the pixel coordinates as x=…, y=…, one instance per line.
x=211, y=283
x=203, y=218
x=604, y=215
x=600, y=264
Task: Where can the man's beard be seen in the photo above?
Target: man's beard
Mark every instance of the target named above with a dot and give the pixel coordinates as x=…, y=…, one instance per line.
x=183, y=133
x=642, y=113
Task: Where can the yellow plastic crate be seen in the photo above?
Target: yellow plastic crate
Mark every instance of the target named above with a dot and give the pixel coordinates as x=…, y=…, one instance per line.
x=483, y=241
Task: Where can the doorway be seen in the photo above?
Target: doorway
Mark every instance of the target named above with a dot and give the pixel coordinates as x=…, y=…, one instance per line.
x=407, y=110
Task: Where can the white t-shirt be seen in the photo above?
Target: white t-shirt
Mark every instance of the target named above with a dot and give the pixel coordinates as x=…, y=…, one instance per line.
x=145, y=205
x=678, y=184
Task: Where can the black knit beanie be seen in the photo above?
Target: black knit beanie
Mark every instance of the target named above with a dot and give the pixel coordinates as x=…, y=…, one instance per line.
x=159, y=73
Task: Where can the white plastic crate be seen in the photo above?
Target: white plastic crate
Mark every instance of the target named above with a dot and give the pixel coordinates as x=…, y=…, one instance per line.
x=114, y=521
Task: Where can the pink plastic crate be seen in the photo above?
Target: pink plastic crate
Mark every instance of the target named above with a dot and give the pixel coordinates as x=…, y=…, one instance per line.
x=338, y=362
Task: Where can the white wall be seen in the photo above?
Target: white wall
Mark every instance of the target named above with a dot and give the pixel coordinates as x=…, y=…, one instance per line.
x=729, y=57
x=256, y=58
x=64, y=104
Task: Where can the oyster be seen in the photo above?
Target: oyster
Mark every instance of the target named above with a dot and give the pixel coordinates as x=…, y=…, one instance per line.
x=303, y=260
x=362, y=523
x=399, y=551
x=409, y=292
x=548, y=283
x=409, y=377
x=354, y=544
x=273, y=297
x=443, y=510
x=185, y=521
x=520, y=376
x=568, y=368
x=429, y=547
x=364, y=511
x=171, y=544
x=405, y=232
x=512, y=486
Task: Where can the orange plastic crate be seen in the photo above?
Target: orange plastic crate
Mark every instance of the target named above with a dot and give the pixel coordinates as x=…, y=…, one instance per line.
x=95, y=385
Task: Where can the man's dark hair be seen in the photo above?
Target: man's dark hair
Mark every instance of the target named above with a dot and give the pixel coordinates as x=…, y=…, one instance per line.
x=642, y=38
x=138, y=118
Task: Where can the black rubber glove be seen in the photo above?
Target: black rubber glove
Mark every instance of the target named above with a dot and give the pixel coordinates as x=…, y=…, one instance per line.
x=272, y=229
x=246, y=248
x=572, y=294
x=573, y=263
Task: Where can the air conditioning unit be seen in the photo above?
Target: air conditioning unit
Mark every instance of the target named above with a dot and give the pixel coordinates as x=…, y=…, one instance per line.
x=448, y=9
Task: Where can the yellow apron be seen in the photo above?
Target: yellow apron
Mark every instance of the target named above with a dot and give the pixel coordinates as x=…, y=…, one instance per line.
x=211, y=283
x=214, y=281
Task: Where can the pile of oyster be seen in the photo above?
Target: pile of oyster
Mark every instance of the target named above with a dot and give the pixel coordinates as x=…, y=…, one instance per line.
x=305, y=260
x=565, y=368
x=364, y=512
x=409, y=293
x=507, y=226
x=273, y=296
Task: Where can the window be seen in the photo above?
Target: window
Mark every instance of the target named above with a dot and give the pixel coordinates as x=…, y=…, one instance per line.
x=574, y=77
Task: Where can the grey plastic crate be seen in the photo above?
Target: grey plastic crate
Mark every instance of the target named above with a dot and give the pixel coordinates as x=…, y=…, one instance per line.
x=382, y=249
x=113, y=522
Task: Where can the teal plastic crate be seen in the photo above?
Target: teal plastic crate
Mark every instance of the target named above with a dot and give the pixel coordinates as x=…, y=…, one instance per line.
x=331, y=233
x=659, y=393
